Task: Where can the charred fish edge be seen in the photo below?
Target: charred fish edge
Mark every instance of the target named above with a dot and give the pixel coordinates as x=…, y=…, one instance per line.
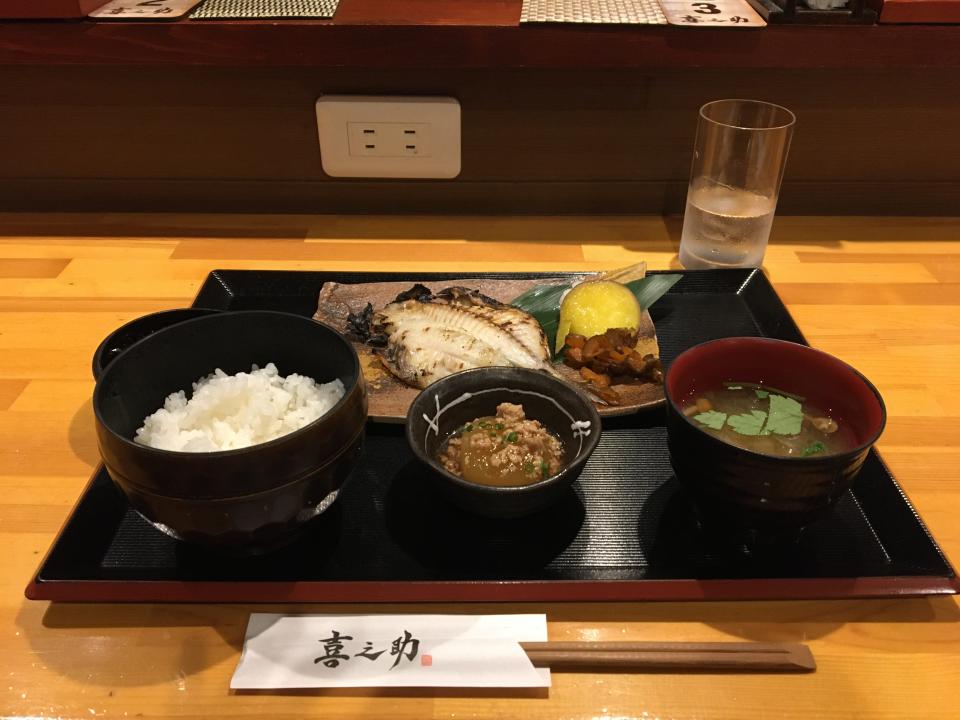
x=361, y=326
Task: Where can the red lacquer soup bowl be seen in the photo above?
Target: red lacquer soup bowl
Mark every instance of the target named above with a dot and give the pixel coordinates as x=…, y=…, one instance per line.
x=746, y=489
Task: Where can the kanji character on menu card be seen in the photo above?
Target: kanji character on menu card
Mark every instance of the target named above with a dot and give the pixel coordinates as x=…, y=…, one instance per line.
x=405, y=645
x=333, y=650
x=366, y=652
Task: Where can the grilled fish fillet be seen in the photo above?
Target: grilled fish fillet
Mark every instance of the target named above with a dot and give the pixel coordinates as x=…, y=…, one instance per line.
x=429, y=336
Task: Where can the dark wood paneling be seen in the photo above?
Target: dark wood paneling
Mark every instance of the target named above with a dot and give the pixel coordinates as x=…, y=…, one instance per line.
x=536, y=140
x=391, y=46
x=920, y=11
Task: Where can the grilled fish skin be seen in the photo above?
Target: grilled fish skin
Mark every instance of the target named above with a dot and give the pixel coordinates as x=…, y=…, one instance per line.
x=431, y=336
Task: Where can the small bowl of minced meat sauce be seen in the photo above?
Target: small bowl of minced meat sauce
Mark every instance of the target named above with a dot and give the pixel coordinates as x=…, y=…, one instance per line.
x=503, y=442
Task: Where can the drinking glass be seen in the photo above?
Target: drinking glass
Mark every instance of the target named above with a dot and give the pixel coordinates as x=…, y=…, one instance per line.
x=738, y=161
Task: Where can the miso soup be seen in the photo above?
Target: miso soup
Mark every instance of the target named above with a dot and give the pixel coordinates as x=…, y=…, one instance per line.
x=770, y=421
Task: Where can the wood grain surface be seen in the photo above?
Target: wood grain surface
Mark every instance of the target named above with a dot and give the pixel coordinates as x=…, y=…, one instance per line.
x=534, y=140
x=388, y=34
x=882, y=293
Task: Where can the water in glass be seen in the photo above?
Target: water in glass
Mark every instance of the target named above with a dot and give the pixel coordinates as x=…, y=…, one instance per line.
x=725, y=226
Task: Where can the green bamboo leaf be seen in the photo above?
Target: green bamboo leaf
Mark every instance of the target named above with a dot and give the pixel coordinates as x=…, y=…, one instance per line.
x=540, y=298
x=651, y=288
x=543, y=302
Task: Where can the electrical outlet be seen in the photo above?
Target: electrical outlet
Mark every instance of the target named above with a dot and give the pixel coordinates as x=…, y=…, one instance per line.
x=372, y=139
x=389, y=137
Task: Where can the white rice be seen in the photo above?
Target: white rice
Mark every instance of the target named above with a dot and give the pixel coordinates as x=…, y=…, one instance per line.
x=227, y=412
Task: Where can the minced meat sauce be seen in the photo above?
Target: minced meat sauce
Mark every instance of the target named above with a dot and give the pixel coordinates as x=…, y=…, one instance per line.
x=506, y=449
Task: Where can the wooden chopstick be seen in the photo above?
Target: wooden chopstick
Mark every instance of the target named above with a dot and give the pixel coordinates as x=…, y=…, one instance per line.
x=674, y=656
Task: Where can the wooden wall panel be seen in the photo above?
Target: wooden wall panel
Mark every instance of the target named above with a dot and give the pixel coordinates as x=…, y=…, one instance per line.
x=204, y=138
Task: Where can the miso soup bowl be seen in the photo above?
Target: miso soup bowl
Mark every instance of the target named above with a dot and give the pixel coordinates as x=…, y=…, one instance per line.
x=740, y=489
x=247, y=500
x=448, y=404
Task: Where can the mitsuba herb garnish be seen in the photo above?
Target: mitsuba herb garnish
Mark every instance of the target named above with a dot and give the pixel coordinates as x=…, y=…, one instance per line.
x=750, y=423
x=814, y=448
x=786, y=416
x=734, y=385
x=711, y=418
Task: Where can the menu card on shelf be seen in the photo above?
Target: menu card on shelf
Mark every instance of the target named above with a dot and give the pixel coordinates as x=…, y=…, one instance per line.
x=713, y=14
x=315, y=651
x=144, y=9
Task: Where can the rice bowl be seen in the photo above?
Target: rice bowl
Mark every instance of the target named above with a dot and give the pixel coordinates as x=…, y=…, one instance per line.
x=248, y=499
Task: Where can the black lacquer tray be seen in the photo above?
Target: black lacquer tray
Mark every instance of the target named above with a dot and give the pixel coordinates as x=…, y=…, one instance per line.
x=626, y=532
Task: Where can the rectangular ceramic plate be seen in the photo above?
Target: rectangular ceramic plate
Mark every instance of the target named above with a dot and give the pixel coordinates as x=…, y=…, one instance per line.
x=389, y=399
x=626, y=534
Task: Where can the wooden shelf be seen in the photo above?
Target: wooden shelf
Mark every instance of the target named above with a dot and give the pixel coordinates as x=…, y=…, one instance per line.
x=920, y=11
x=398, y=34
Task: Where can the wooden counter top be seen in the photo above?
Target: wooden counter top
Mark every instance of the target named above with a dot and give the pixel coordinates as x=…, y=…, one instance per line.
x=883, y=294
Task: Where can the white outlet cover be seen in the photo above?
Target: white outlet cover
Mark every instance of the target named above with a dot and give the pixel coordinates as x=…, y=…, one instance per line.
x=389, y=137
